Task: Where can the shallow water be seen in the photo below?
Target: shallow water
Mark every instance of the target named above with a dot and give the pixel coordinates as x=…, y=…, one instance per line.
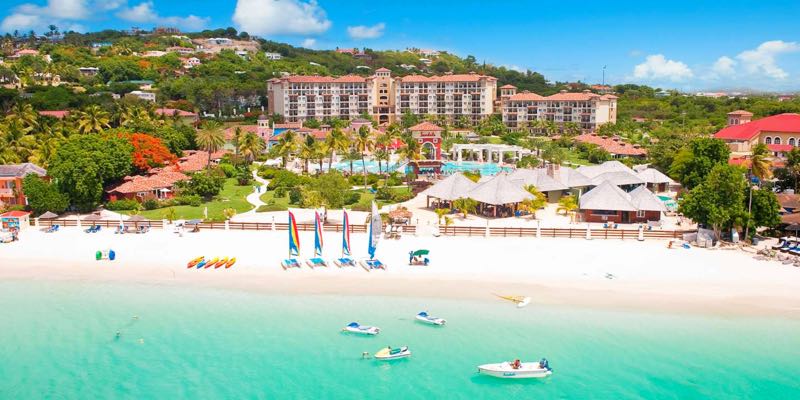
x=58, y=340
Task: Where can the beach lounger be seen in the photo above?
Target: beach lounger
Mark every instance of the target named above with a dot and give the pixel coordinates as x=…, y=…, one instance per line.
x=290, y=263
x=344, y=262
x=789, y=245
x=782, y=241
x=316, y=262
x=373, y=264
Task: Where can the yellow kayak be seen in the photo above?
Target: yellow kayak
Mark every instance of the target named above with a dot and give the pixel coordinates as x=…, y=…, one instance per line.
x=212, y=262
x=221, y=262
x=231, y=262
x=194, y=262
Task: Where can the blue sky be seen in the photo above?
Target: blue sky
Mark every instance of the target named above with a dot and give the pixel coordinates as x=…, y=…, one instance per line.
x=689, y=45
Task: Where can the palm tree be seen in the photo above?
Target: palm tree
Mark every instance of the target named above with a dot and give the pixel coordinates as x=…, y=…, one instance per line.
x=249, y=145
x=211, y=138
x=363, y=143
x=287, y=145
x=17, y=142
x=465, y=205
x=793, y=164
x=440, y=213
x=760, y=165
x=538, y=201
x=308, y=150
x=336, y=142
x=92, y=119
x=568, y=204
x=26, y=114
x=383, y=141
x=410, y=153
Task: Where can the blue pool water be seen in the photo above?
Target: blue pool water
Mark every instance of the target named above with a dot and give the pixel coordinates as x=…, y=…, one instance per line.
x=669, y=202
x=370, y=165
x=484, y=168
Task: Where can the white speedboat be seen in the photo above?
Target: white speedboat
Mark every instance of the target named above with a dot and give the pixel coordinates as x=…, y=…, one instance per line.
x=388, y=353
x=429, y=319
x=355, y=327
x=517, y=370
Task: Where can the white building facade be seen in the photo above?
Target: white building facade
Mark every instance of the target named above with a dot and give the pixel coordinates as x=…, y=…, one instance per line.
x=587, y=110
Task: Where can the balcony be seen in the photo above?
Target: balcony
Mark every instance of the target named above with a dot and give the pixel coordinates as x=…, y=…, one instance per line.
x=6, y=192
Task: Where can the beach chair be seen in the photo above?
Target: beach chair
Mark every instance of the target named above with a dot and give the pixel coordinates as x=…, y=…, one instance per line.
x=782, y=241
x=316, y=262
x=119, y=230
x=344, y=262
x=373, y=264
x=788, y=245
x=290, y=263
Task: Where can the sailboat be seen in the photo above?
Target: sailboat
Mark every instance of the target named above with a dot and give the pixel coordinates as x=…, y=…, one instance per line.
x=345, y=260
x=294, y=245
x=375, y=229
x=317, y=261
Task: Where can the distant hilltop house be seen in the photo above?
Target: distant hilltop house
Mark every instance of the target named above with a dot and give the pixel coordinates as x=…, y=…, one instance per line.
x=187, y=117
x=184, y=51
x=781, y=133
x=89, y=71
x=586, y=109
x=191, y=62
x=427, y=53
x=142, y=95
x=153, y=53
x=24, y=52
x=356, y=53
x=273, y=56
x=11, y=176
x=383, y=97
x=215, y=45
x=58, y=114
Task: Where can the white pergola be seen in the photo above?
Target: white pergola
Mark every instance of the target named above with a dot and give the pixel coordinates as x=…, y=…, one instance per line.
x=488, y=152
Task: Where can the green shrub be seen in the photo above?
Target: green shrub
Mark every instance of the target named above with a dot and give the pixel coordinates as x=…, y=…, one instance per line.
x=280, y=192
x=150, y=204
x=228, y=169
x=124, y=204
x=267, y=172
x=352, y=197
x=295, y=195
x=394, y=179
x=384, y=193
x=358, y=179
x=399, y=197
x=189, y=200
x=286, y=179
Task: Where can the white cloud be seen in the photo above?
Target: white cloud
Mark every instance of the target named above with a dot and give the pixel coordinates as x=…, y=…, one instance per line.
x=309, y=43
x=761, y=60
x=723, y=66
x=276, y=17
x=658, y=67
x=144, y=13
x=514, y=67
x=31, y=16
x=366, y=32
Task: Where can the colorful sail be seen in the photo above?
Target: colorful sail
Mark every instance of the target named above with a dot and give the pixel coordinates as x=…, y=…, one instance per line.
x=317, y=235
x=345, y=234
x=294, y=238
x=375, y=228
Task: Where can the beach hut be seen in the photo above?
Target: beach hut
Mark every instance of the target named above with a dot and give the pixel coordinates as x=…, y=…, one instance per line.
x=608, y=203
x=499, y=192
x=655, y=180
x=577, y=182
x=451, y=188
x=624, y=179
x=15, y=220
x=543, y=182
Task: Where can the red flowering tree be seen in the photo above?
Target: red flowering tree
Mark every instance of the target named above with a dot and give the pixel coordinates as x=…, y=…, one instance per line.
x=149, y=152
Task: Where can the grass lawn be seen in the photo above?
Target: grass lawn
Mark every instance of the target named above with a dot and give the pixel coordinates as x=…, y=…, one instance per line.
x=364, y=203
x=231, y=196
x=574, y=158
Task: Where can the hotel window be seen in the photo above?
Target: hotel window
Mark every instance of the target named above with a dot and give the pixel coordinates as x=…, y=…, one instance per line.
x=639, y=213
x=792, y=142
x=767, y=140
x=777, y=140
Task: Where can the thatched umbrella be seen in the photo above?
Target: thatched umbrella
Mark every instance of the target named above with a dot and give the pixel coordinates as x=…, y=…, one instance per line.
x=48, y=215
x=92, y=217
x=136, y=219
x=401, y=214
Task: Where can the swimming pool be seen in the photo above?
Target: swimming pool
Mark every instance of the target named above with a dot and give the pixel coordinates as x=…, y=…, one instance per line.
x=669, y=202
x=484, y=168
x=369, y=165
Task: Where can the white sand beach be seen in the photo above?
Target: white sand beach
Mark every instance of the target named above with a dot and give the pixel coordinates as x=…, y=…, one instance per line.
x=586, y=273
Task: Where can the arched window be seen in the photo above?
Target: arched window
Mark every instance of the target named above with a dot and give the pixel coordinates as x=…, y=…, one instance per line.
x=777, y=140
x=792, y=141
x=767, y=140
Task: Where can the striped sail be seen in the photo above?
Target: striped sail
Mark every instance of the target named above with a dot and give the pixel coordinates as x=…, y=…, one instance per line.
x=317, y=235
x=345, y=234
x=375, y=228
x=294, y=238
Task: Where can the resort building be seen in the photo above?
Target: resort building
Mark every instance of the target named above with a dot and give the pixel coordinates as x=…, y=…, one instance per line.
x=273, y=56
x=59, y=114
x=586, y=109
x=141, y=95
x=11, y=176
x=655, y=180
x=381, y=96
x=187, y=117
x=487, y=152
x=158, y=186
x=89, y=71
x=184, y=51
x=742, y=133
x=608, y=203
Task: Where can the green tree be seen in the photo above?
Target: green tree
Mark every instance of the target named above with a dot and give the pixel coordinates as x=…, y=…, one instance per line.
x=211, y=138
x=336, y=143
x=43, y=196
x=84, y=164
x=465, y=205
x=567, y=204
x=93, y=119
x=333, y=188
x=288, y=144
x=764, y=209
x=363, y=143
x=719, y=200
x=205, y=185
x=793, y=165
x=760, y=164
x=538, y=201
x=696, y=160
x=250, y=145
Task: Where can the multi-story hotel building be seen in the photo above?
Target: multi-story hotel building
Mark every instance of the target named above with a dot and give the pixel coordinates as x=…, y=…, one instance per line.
x=384, y=98
x=588, y=110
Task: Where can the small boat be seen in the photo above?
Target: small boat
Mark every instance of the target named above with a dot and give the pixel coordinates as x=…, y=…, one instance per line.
x=230, y=262
x=521, y=301
x=429, y=319
x=202, y=263
x=210, y=263
x=194, y=262
x=221, y=262
x=388, y=353
x=355, y=327
x=517, y=369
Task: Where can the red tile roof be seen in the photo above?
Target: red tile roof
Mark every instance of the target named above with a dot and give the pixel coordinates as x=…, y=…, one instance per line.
x=173, y=111
x=780, y=147
x=612, y=145
x=164, y=179
x=787, y=123
x=568, y=96
x=509, y=86
x=740, y=112
x=471, y=77
x=383, y=70
x=325, y=79
x=526, y=96
x=289, y=125
x=425, y=126
x=60, y=114
x=743, y=162
x=15, y=214
x=196, y=160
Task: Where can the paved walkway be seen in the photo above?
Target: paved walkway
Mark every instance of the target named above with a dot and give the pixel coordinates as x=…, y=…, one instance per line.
x=255, y=197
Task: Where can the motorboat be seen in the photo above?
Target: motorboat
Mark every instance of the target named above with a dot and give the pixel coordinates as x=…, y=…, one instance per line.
x=429, y=319
x=388, y=353
x=517, y=369
x=355, y=327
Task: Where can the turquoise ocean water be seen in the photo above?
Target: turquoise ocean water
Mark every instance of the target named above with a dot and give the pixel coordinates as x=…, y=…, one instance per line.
x=57, y=341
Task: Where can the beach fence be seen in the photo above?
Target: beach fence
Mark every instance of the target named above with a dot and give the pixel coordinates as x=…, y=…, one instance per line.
x=576, y=233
